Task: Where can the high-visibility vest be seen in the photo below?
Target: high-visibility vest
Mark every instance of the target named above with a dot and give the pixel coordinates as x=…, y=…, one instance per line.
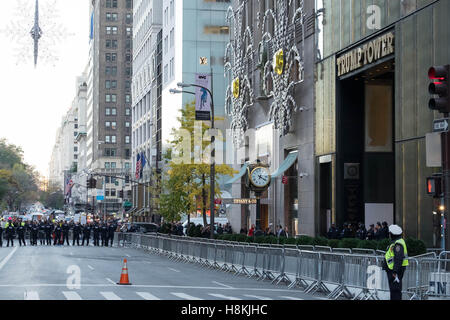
x=390, y=254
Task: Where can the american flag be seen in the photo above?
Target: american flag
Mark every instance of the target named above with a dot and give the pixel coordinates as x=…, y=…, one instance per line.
x=69, y=185
x=138, y=166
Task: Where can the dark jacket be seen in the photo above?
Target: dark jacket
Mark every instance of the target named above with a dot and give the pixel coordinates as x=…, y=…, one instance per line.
x=87, y=230
x=65, y=228
x=76, y=229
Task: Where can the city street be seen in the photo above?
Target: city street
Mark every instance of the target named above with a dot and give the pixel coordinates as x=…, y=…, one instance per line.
x=46, y=273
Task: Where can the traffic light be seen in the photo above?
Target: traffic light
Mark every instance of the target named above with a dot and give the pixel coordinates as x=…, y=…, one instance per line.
x=91, y=183
x=121, y=194
x=434, y=187
x=439, y=88
x=88, y=183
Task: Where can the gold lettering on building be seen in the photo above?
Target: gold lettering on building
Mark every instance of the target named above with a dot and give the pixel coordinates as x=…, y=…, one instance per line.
x=366, y=54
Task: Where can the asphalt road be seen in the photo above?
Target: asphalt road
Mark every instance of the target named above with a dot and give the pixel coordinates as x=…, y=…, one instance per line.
x=91, y=273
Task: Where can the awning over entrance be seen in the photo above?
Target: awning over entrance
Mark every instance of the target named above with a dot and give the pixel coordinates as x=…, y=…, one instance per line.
x=287, y=163
x=238, y=176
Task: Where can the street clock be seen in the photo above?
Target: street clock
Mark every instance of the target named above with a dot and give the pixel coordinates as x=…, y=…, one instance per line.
x=258, y=177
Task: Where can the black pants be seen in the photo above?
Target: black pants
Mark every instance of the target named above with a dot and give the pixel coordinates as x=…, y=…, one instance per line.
x=65, y=238
x=76, y=237
x=1, y=240
x=42, y=238
x=111, y=238
x=96, y=240
x=104, y=240
x=10, y=239
x=22, y=239
x=33, y=239
x=48, y=237
x=86, y=237
x=395, y=288
x=57, y=239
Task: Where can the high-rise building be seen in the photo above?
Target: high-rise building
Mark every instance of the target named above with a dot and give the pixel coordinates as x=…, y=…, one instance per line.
x=146, y=107
x=109, y=98
x=175, y=41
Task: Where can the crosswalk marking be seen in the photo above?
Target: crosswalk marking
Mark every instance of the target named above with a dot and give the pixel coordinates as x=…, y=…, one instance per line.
x=290, y=298
x=185, y=296
x=147, y=296
x=221, y=296
x=257, y=297
x=71, y=295
x=31, y=295
x=110, y=296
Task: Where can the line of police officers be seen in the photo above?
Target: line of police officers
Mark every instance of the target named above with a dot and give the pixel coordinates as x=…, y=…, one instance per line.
x=58, y=232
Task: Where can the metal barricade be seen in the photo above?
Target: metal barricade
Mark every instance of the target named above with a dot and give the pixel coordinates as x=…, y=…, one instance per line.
x=305, y=248
x=342, y=250
x=194, y=251
x=275, y=264
x=219, y=259
x=203, y=258
x=291, y=261
x=357, y=270
x=332, y=272
x=307, y=270
x=322, y=249
x=435, y=280
x=364, y=251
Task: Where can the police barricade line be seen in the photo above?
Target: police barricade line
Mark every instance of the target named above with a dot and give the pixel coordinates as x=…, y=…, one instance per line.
x=307, y=270
x=230, y=256
x=264, y=263
x=239, y=260
x=276, y=265
x=445, y=256
x=194, y=251
x=331, y=273
x=364, y=251
x=248, y=266
x=220, y=260
x=322, y=249
x=411, y=278
x=360, y=276
x=291, y=261
x=435, y=279
x=204, y=254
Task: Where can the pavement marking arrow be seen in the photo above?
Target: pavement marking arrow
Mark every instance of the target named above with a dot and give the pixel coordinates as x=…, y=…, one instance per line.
x=184, y=296
x=257, y=297
x=110, y=295
x=147, y=296
x=4, y=261
x=221, y=296
x=71, y=295
x=31, y=295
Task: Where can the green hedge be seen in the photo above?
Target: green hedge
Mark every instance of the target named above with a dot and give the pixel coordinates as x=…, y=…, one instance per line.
x=415, y=247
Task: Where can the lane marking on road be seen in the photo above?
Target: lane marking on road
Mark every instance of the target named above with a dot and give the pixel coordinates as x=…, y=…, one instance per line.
x=174, y=270
x=4, y=261
x=221, y=296
x=90, y=267
x=31, y=295
x=223, y=285
x=257, y=297
x=109, y=280
x=71, y=295
x=184, y=296
x=110, y=295
x=128, y=255
x=290, y=298
x=147, y=296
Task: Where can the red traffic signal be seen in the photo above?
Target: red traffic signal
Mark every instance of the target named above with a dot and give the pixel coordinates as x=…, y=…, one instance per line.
x=284, y=180
x=434, y=187
x=439, y=88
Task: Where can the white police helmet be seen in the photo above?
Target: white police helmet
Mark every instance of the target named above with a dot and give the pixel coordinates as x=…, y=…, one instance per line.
x=395, y=230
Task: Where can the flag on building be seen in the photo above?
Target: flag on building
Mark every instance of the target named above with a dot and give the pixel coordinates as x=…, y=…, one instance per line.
x=143, y=163
x=68, y=188
x=138, y=166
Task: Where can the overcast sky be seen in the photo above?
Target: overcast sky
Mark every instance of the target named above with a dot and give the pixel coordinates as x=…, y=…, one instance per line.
x=33, y=100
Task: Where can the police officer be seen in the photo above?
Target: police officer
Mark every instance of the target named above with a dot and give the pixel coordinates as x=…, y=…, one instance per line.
x=34, y=233
x=57, y=231
x=42, y=233
x=1, y=236
x=76, y=234
x=65, y=231
x=21, y=228
x=86, y=234
x=9, y=232
x=48, y=228
x=104, y=234
x=111, y=230
x=396, y=261
x=96, y=231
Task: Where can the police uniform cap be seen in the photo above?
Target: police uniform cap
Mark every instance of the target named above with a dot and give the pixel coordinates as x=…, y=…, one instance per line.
x=395, y=230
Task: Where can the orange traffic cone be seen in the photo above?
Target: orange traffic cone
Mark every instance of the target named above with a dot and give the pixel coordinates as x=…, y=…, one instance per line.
x=124, y=276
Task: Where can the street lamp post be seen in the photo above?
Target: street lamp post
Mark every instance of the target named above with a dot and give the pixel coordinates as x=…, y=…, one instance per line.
x=213, y=151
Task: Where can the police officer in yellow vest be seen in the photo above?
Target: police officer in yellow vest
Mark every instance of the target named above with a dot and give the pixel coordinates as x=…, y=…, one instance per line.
x=396, y=261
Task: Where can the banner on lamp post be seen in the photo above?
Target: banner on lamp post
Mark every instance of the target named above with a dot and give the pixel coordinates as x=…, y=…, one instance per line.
x=202, y=97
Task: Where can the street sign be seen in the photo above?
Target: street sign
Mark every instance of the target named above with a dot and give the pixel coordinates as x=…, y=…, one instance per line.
x=440, y=125
x=239, y=201
x=100, y=194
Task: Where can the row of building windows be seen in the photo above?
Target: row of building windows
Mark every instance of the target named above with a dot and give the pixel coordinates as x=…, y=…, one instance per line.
x=111, y=30
x=113, y=124
x=113, y=153
x=114, y=3
x=113, y=139
x=112, y=84
x=112, y=71
x=113, y=43
x=113, y=111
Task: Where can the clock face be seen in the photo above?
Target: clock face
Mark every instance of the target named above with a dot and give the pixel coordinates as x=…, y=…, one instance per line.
x=260, y=177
